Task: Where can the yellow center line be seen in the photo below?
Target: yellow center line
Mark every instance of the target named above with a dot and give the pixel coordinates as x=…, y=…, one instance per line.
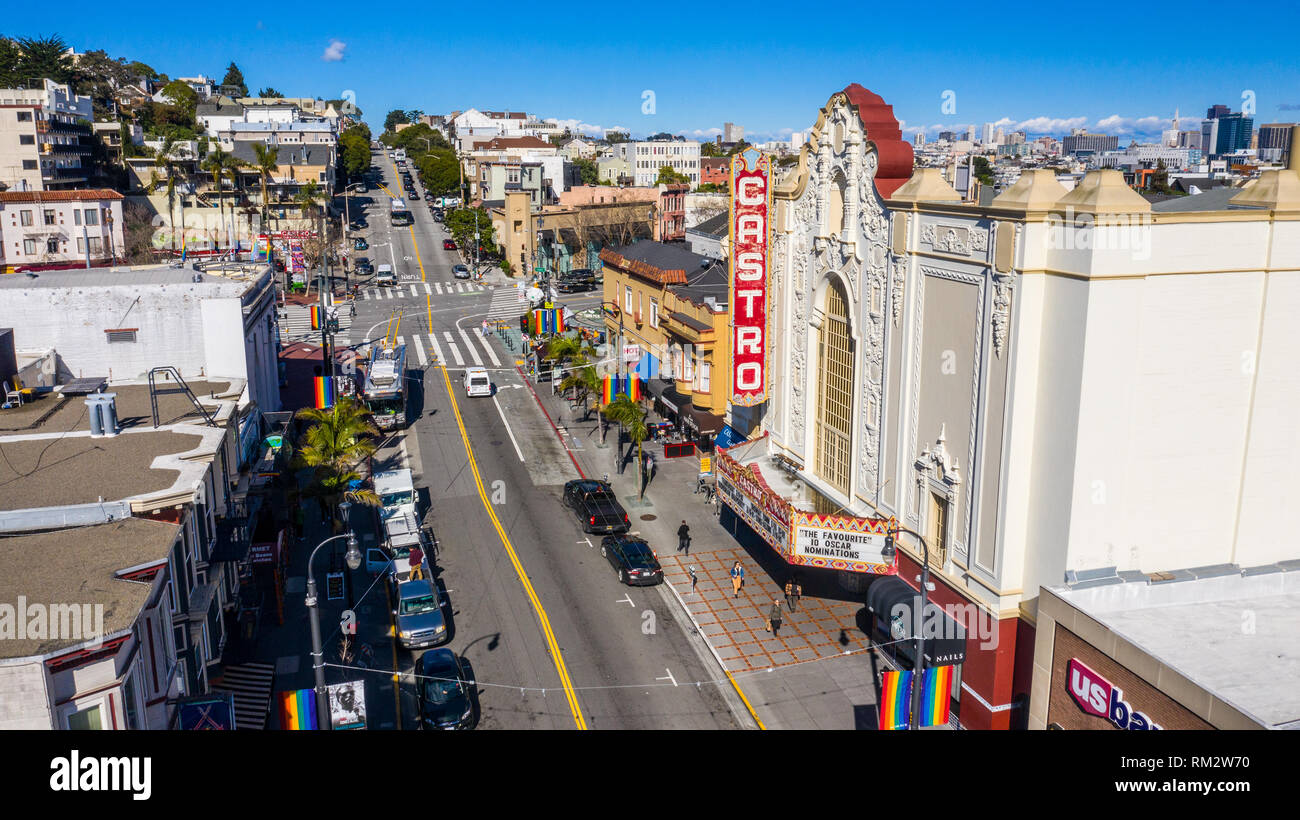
x=411, y=227
x=397, y=693
x=570, y=695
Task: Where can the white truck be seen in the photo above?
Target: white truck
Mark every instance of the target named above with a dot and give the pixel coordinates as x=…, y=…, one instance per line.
x=396, y=491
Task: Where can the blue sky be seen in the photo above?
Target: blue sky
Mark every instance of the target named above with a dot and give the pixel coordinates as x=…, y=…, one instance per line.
x=765, y=66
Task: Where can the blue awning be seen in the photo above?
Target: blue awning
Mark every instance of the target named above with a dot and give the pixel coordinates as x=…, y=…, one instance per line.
x=727, y=437
x=648, y=367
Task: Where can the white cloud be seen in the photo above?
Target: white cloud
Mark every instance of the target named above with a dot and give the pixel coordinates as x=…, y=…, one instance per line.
x=580, y=127
x=334, y=51
x=703, y=132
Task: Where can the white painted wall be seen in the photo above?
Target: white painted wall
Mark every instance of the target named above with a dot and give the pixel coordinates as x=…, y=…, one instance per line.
x=24, y=702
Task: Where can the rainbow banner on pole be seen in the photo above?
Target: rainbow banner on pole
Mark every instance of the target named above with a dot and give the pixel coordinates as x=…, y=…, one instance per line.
x=324, y=392
x=895, y=691
x=936, y=696
x=548, y=320
x=315, y=317
x=611, y=386
x=298, y=710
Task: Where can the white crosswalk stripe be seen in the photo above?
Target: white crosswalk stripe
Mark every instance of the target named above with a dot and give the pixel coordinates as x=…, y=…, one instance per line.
x=455, y=353
x=427, y=291
x=460, y=288
x=415, y=290
x=438, y=285
x=437, y=348
x=492, y=356
x=419, y=349
x=507, y=305
x=473, y=353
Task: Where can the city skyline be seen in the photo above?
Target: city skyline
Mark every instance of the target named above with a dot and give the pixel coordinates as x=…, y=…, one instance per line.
x=696, y=81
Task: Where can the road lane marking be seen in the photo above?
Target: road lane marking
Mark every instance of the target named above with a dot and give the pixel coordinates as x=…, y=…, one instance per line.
x=438, y=285
x=437, y=349
x=455, y=353
x=570, y=695
x=670, y=676
x=500, y=412
x=626, y=599
x=473, y=352
x=419, y=350
x=426, y=289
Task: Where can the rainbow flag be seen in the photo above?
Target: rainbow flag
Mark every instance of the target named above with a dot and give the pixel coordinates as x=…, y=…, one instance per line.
x=324, y=392
x=548, y=320
x=298, y=710
x=936, y=696
x=612, y=386
x=895, y=690
x=315, y=317
x=632, y=388
x=607, y=389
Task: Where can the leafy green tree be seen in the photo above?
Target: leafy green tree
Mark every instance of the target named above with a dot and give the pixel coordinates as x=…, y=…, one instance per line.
x=613, y=137
x=235, y=77
x=588, y=170
x=439, y=171
x=667, y=176
x=333, y=447
x=984, y=171
x=629, y=414
x=45, y=58
x=99, y=76
x=182, y=97
x=354, y=153
x=461, y=223
x=142, y=70
x=708, y=149
x=11, y=57
x=586, y=382
x=394, y=117
x=269, y=92
x=711, y=188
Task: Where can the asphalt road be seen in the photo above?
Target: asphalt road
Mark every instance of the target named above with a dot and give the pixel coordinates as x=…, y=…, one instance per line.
x=627, y=660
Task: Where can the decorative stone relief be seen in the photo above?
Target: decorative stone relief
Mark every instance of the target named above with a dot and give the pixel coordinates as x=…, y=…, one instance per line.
x=896, y=292
x=979, y=240
x=927, y=233
x=952, y=240
x=1001, y=318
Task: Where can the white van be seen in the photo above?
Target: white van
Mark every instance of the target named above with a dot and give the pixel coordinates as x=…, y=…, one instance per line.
x=384, y=275
x=477, y=382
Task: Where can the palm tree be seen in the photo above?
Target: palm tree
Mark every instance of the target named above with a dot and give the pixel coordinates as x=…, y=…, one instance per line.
x=268, y=158
x=561, y=348
x=333, y=446
x=629, y=414
x=164, y=160
x=215, y=164
x=585, y=380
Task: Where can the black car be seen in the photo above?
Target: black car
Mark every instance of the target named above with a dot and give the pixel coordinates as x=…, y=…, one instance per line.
x=575, y=281
x=632, y=558
x=363, y=267
x=443, y=692
x=595, y=505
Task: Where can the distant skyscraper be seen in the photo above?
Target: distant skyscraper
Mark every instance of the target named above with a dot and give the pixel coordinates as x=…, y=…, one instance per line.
x=732, y=132
x=1216, y=111
x=946, y=136
x=986, y=135
x=1170, y=138
x=999, y=138
x=1275, y=142
x=970, y=133
x=796, y=140
x=920, y=138
x=1225, y=132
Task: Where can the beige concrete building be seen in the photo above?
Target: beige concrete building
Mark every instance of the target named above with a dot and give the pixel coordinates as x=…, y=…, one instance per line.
x=59, y=229
x=560, y=237
x=44, y=138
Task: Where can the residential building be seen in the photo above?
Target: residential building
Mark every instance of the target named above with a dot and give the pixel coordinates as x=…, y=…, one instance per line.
x=280, y=133
x=615, y=170
x=218, y=114
x=578, y=148
x=646, y=158
x=111, y=134
x=670, y=222
x=671, y=304
x=496, y=178
x=715, y=171
x=566, y=236
x=295, y=166
x=45, y=135
x=60, y=229
x=1010, y=382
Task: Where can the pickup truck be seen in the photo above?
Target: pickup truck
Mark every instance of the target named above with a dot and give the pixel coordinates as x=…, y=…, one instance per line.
x=385, y=276
x=594, y=504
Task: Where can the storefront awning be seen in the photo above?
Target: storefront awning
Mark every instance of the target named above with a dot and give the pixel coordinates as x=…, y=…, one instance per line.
x=705, y=424
x=894, y=603
x=727, y=437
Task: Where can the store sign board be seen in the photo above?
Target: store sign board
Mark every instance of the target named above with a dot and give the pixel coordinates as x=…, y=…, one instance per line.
x=841, y=542
x=1099, y=697
x=750, y=207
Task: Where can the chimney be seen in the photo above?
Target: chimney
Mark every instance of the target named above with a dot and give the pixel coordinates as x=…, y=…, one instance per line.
x=103, y=414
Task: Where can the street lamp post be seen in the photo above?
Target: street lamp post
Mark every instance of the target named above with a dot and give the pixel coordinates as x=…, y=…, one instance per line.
x=918, y=668
x=347, y=222
x=353, y=558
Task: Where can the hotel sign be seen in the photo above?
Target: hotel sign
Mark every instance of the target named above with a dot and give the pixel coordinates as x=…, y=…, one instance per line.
x=750, y=208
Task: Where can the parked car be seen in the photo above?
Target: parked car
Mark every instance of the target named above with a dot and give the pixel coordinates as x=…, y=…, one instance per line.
x=575, y=281
x=595, y=505
x=363, y=267
x=360, y=245
x=448, y=244
x=420, y=621
x=633, y=559
x=477, y=382
x=460, y=271
x=443, y=692
x=428, y=196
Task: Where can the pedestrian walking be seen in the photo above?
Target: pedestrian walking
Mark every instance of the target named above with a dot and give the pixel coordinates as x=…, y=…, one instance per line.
x=417, y=562
x=793, y=589
x=695, y=579
x=737, y=579
x=684, y=538
x=774, y=617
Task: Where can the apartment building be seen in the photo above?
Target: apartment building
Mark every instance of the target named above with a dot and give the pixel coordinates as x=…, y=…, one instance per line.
x=60, y=229
x=645, y=158
x=45, y=138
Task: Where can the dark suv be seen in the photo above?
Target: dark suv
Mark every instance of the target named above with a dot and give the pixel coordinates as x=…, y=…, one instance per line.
x=596, y=506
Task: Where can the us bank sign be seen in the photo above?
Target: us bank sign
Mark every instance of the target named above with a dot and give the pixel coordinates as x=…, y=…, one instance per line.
x=750, y=201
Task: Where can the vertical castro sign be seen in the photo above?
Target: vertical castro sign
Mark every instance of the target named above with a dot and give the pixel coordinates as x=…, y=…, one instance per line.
x=750, y=184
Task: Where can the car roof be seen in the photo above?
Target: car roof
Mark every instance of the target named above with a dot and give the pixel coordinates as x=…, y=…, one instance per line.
x=440, y=658
x=415, y=589
x=476, y=371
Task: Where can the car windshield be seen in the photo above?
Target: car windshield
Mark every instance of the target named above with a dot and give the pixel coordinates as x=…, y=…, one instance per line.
x=397, y=499
x=420, y=605
x=637, y=552
x=441, y=691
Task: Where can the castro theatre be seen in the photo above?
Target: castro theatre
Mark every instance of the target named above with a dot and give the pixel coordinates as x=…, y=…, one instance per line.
x=1059, y=386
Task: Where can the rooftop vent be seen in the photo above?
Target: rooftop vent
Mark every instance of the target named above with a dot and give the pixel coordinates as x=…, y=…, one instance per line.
x=103, y=414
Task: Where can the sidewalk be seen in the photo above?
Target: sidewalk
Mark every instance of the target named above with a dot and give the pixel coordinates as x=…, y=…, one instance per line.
x=816, y=674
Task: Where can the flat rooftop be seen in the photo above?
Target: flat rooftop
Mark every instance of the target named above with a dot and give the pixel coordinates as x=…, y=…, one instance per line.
x=1236, y=635
x=56, y=413
x=210, y=284
x=79, y=566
